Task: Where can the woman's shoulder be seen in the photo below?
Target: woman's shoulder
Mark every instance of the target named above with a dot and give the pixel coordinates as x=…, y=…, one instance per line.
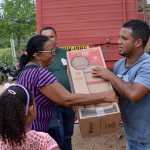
x=43, y=70
x=34, y=72
x=37, y=76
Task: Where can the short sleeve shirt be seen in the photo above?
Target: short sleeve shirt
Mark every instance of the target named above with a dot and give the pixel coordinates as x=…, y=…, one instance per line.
x=33, y=79
x=135, y=115
x=34, y=141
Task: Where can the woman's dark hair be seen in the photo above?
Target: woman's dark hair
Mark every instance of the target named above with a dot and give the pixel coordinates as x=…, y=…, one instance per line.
x=140, y=30
x=35, y=44
x=13, y=103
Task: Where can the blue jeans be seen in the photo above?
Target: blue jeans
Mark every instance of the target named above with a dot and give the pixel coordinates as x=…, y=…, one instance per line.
x=62, y=130
x=133, y=145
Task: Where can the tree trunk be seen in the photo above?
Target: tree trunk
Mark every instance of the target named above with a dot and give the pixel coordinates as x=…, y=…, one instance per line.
x=19, y=44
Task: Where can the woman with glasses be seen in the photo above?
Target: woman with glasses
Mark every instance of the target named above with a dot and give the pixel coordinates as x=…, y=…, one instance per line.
x=45, y=86
x=17, y=111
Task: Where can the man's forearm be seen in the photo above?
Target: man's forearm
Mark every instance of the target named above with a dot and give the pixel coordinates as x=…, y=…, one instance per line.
x=123, y=88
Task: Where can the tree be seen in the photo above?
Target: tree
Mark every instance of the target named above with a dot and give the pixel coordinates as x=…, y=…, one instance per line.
x=18, y=19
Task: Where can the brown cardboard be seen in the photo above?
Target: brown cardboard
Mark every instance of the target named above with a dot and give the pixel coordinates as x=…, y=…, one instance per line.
x=96, y=119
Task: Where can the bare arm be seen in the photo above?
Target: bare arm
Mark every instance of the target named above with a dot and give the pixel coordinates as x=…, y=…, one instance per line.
x=57, y=93
x=132, y=91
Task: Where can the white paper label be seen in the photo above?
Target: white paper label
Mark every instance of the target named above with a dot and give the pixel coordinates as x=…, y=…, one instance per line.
x=64, y=62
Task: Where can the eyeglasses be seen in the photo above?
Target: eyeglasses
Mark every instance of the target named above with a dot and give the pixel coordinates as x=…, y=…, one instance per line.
x=52, y=51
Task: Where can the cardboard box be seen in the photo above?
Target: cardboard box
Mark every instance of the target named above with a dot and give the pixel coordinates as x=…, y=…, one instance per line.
x=97, y=119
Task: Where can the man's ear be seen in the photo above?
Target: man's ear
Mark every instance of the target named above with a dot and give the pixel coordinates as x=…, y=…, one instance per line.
x=138, y=43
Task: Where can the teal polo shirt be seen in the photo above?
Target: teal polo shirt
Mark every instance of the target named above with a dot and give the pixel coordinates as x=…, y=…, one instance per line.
x=59, y=68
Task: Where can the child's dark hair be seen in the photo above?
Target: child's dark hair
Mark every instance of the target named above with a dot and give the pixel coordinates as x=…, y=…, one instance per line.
x=35, y=44
x=14, y=104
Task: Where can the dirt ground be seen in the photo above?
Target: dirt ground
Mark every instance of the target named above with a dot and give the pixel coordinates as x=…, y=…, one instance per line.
x=104, y=142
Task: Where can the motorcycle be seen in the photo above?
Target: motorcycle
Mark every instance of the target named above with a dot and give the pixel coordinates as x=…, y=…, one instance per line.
x=8, y=73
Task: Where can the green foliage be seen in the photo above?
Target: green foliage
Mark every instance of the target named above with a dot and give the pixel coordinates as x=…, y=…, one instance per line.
x=24, y=44
x=18, y=19
x=5, y=55
x=4, y=43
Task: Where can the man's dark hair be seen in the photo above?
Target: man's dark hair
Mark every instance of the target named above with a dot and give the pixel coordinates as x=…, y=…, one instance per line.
x=140, y=30
x=48, y=28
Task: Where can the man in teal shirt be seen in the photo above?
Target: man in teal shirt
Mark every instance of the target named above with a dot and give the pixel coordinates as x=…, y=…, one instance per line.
x=62, y=123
